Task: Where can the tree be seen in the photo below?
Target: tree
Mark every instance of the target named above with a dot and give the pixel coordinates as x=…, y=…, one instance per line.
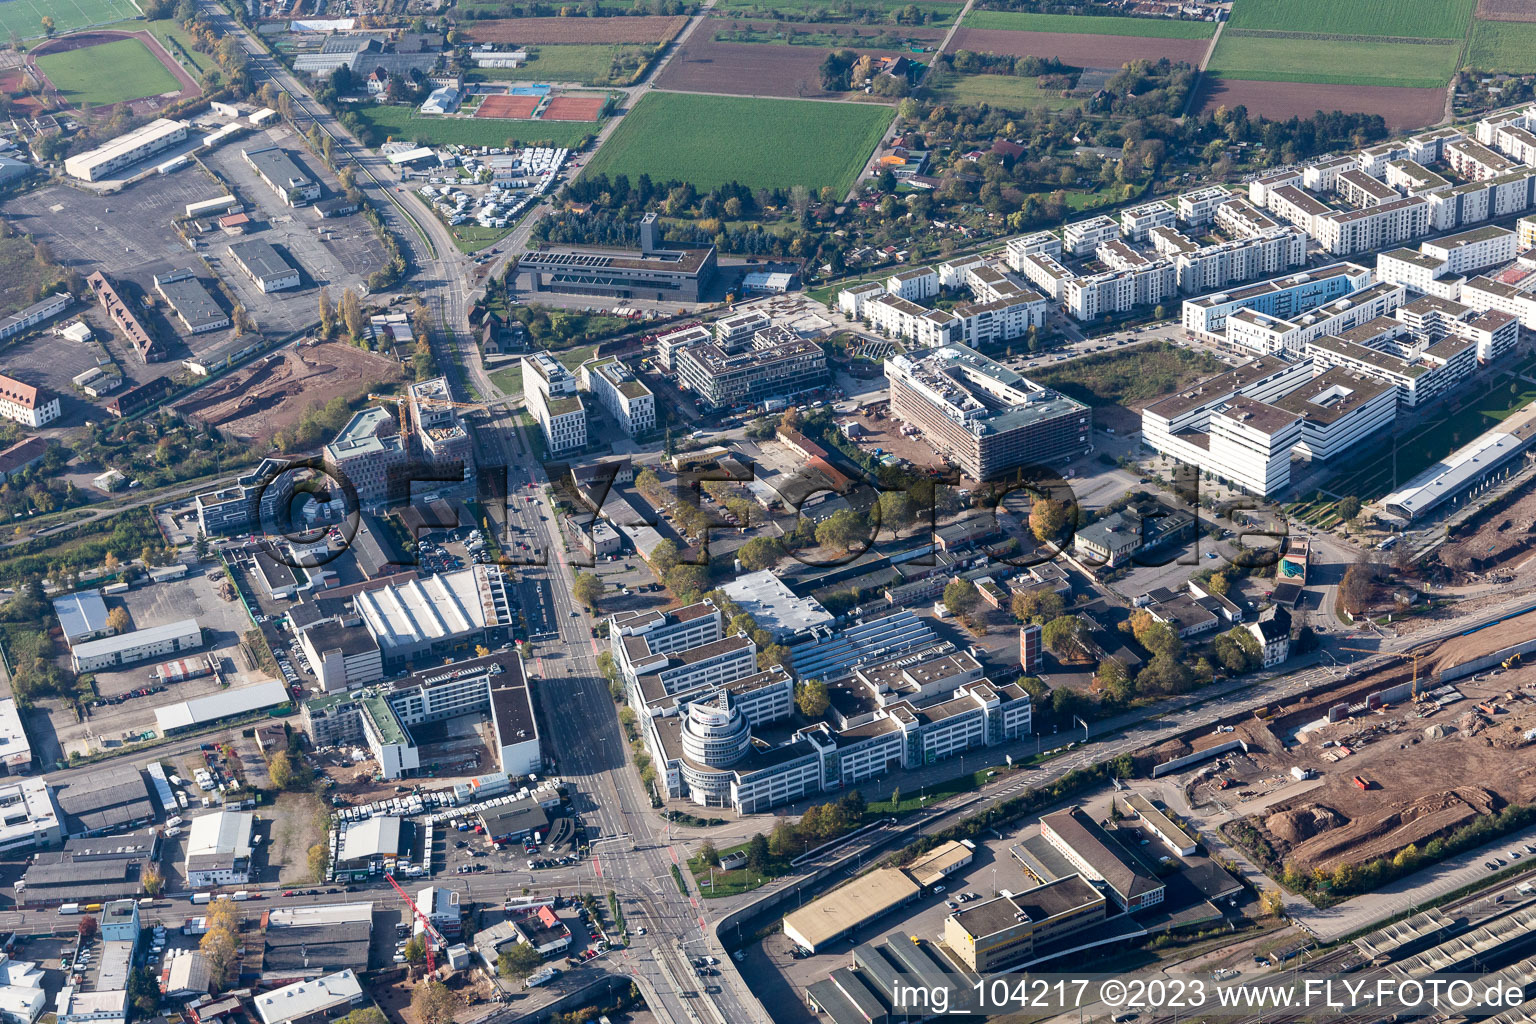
x=48, y=25
x=319, y=861
x=87, y=928
x=783, y=841
x=687, y=581
x=152, y=880
x=895, y=510
x=665, y=554
x=433, y=1003
x=415, y=950
x=1271, y=903
x=769, y=655
x=960, y=597
x=518, y=961
x=1348, y=507
x=1219, y=584
x=1115, y=680
x=144, y=990
x=757, y=852
x=327, y=313
x=1067, y=636
x=110, y=562
x=587, y=589
x=287, y=773
x=759, y=553
x=352, y=315
x=842, y=530
x=118, y=621
x=812, y=699
x=1164, y=675
x=1037, y=606
x=1160, y=638
x=1048, y=520
x=218, y=946
x=709, y=854
x=1358, y=587
x=366, y=1015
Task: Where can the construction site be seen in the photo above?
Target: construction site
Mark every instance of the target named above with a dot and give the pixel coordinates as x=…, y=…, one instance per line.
x=273, y=393
x=1389, y=757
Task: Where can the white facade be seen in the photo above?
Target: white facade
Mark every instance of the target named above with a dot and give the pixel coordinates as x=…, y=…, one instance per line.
x=1472, y=250
x=1082, y=237
x=1215, y=266
x=25, y=404
x=551, y=397
x=126, y=150
x=135, y=646
x=1088, y=298
x=1198, y=208
x=621, y=393
x=919, y=285
x=1374, y=228
x=1136, y=221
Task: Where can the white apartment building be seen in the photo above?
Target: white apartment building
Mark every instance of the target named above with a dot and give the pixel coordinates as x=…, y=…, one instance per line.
x=1198, y=208
x=1472, y=250
x=1290, y=203
x=1427, y=147
x=1282, y=297
x=920, y=284
x=1238, y=218
x=850, y=302
x=1088, y=298
x=956, y=273
x=1136, y=221
x=1359, y=189
x=1516, y=142
x=1207, y=268
x=896, y=317
x=25, y=404
x=1417, y=272
x=1475, y=161
x=737, y=329
x=1514, y=298
x=1525, y=228
x=1171, y=242
x=1082, y=237
x=1413, y=178
x=1028, y=245
x=1265, y=334
x=1376, y=227
x=621, y=393
x=1374, y=159
x=1260, y=188
x=1487, y=129
x=551, y=397
x=1323, y=176
x=1045, y=272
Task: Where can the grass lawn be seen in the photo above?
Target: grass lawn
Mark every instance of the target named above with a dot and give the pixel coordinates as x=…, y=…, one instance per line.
x=473, y=237
x=1136, y=373
x=509, y=379
x=404, y=123
x=1334, y=62
x=19, y=273
x=1420, y=19
x=1503, y=46
x=711, y=140
x=109, y=73
x=587, y=63
x=938, y=13
x=1393, y=463
x=1147, y=28
x=176, y=42
x=24, y=18
x=1007, y=92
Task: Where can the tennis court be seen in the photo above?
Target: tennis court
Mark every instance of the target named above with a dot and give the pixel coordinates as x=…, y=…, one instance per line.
x=519, y=107
x=574, y=108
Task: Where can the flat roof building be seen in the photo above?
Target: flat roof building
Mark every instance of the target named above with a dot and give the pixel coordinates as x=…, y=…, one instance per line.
x=775, y=607
x=776, y=363
x=1002, y=933
x=658, y=275
x=1100, y=858
x=308, y=1002
x=125, y=150
x=282, y=175
x=135, y=646
x=848, y=908
x=82, y=616
x=195, y=308
x=983, y=415
x=439, y=614
x=264, y=265
x=219, y=849
x=317, y=939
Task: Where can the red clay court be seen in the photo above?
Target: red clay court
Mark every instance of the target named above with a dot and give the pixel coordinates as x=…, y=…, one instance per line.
x=518, y=107
x=574, y=108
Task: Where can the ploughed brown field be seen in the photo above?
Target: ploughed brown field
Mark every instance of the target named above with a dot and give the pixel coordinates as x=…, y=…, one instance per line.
x=1402, y=108
x=1083, y=51
x=533, y=31
x=750, y=69
x=1506, y=10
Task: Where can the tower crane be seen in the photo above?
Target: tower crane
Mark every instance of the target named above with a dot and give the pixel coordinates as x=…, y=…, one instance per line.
x=428, y=929
x=1415, y=655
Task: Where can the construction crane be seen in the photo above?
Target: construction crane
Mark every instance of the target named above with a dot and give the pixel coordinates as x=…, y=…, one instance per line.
x=431, y=933
x=1416, y=655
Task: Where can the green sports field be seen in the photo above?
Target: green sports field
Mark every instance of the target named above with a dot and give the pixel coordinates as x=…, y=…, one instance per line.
x=1408, y=19
x=1334, y=61
x=110, y=73
x=24, y=18
x=402, y=123
x=1007, y=92
x=710, y=140
x=1503, y=46
x=1147, y=28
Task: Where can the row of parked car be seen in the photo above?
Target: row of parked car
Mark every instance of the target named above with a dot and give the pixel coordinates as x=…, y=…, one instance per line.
x=143, y=691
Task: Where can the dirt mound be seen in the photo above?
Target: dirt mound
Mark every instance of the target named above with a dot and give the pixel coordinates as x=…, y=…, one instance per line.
x=1303, y=823
x=1417, y=821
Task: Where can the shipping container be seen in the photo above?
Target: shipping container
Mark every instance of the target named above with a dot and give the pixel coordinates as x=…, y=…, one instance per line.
x=202, y=897
x=183, y=669
x=70, y=908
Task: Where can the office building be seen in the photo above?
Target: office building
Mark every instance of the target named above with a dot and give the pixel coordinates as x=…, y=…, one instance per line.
x=256, y=498
x=194, y=307
x=28, y=817
x=621, y=393
x=776, y=363
x=651, y=273
x=125, y=150
x=264, y=265
x=1101, y=859
x=443, y=439
x=551, y=395
x=1121, y=536
x=438, y=615
x=1001, y=933
x=283, y=175
x=984, y=416
x=369, y=455
x=1339, y=408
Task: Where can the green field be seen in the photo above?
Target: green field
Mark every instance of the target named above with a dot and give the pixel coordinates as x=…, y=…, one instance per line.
x=1503, y=46
x=1334, y=61
x=1136, y=374
x=1408, y=19
x=176, y=42
x=109, y=73
x=404, y=123
x=24, y=18
x=1006, y=92
x=1147, y=28
x=587, y=63
x=936, y=13
x=710, y=140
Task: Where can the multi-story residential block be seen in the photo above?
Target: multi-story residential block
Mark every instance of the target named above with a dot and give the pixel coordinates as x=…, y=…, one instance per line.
x=1323, y=175
x=1044, y=242
x=1510, y=293
x=27, y=404
x=1045, y=272
x=552, y=398
x=1361, y=190
x=1082, y=237
x=776, y=363
x=1487, y=129
x=1413, y=178
x=1475, y=161
x=1376, y=227
x=1210, y=267
x=1374, y=159
x=1292, y=204
x=736, y=329
x=1417, y=272
x=1136, y=221
x=1427, y=147
x=1282, y=297
x=1171, y=242
x=1269, y=335
x=621, y=393
x=896, y=317
x=1150, y=282
x=369, y=455
x=1472, y=250
x=920, y=284
x=1019, y=423
x=1198, y=208
x=1260, y=188
x=1238, y=218
x=1525, y=229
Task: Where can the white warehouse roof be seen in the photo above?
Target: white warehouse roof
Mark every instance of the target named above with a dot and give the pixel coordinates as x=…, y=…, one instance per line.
x=108, y=645
x=1451, y=474
x=220, y=705
x=308, y=997
x=225, y=832
x=80, y=614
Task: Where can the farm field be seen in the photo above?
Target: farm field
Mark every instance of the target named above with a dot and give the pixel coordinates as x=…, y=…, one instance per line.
x=823, y=34
x=24, y=18
x=533, y=31
x=1151, y=28
x=1335, y=61
x=699, y=139
x=113, y=72
x=1007, y=92
x=587, y=63
x=1506, y=10
x=402, y=123
x=1422, y=19
x=936, y=12
x=1401, y=108
x=707, y=64
x=1078, y=49
x=1503, y=46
